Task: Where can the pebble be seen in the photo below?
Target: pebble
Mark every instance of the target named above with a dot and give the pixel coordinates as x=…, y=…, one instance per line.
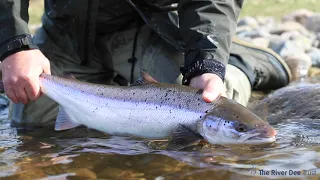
x=317, y=41
x=301, y=16
x=284, y=48
x=299, y=64
x=290, y=35
x=314, y=72
x=303, y=43
x=248, y=21
x=288, y=26
x=314, y=54
x=266, y=21
x=313, y=23
x=260, y=41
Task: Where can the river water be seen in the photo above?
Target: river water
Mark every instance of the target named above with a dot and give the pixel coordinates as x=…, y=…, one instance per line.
x=86, y=154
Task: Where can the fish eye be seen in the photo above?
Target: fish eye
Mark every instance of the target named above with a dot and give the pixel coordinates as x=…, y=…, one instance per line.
x=241, y=128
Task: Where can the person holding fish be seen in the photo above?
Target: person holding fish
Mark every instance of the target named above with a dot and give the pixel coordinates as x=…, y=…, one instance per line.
x=184, y=42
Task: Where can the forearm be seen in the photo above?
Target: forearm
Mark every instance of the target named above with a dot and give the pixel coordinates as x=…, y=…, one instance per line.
x=13, y=26
x=207, y=27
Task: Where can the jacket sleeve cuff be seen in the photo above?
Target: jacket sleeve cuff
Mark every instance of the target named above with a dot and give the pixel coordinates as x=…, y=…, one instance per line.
x=203, y=66
x=16, y=44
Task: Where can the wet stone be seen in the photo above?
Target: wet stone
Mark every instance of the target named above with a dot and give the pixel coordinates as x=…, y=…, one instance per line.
x=302, y=43
x=301, y=16
x=117, y=173
x=31, y=174
x=313, y=23
x=243, y=29
x=248, y=21
x=314, y=54
x=276, y=43
x=299, y=64
x=265, y=21
x=317, y=41
x=254, y=34
x=280, y=105
x=261, y=41
x=289, y=38
x=290, y=35
x=288, y=26
x=313, y=71
x=84, y=173
x=284, y=48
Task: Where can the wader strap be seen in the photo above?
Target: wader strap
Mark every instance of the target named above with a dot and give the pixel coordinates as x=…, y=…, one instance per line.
x=133, y=59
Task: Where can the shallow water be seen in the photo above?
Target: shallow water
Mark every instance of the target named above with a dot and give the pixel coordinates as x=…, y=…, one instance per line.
x=86, y=154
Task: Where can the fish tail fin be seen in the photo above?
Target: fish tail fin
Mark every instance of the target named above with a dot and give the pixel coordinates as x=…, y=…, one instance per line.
x=65, y=120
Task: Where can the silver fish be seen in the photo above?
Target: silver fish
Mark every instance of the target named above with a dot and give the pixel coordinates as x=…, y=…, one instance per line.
x=155, y=111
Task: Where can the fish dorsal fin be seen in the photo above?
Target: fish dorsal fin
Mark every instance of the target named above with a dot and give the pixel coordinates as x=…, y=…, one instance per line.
x=183, y=137
x=65, y=120
x=144, y=79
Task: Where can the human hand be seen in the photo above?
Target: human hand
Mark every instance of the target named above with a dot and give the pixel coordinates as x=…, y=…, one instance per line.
x=211, y=84
x=20, y=75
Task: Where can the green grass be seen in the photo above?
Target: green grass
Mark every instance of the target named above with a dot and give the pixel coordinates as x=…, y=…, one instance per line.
x=275, y=8
x=35, y=11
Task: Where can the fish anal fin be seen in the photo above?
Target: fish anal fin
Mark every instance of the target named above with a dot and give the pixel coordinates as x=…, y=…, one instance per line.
x=148, y=78
x=65, y=120
x=183, y=137
x=144, y=79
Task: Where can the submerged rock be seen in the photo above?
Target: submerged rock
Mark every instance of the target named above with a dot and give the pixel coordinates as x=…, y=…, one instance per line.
x=85, y=173
x=299, y=100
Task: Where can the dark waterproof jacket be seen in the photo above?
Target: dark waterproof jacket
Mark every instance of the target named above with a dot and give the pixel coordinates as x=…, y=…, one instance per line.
x=202, y=29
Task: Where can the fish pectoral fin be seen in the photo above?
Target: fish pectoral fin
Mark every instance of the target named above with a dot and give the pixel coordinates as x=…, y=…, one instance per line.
x=183, y=137
x=145, y=79
x=65, y=120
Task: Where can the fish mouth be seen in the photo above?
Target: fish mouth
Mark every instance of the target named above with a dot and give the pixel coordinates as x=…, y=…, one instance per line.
x=258, y=138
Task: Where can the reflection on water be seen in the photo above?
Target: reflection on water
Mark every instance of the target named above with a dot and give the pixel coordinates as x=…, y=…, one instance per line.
x=86, y=154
